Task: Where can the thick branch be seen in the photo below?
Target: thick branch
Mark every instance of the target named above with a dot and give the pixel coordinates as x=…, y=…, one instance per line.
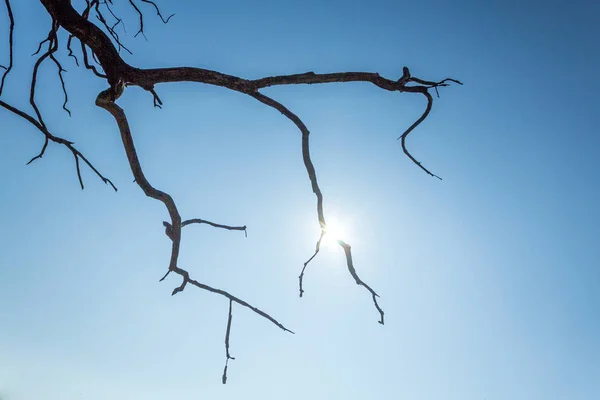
x=118, y=70
x=89, y=35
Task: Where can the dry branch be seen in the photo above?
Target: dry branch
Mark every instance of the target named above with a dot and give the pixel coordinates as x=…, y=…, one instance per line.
x=11, y=30
x=106, y=100
x=104, y=47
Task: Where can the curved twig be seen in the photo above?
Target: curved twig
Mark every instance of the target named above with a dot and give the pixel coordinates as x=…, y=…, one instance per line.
x=412, y=127
x=350, y=264
x=69, y=40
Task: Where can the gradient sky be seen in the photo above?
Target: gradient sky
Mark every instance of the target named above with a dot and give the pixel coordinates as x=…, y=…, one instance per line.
x=489, y=279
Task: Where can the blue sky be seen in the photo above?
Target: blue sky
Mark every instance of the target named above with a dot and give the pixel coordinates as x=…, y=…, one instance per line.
x=489, y=278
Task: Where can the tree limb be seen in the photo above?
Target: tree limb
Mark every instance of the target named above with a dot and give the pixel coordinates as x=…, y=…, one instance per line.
x=106, y=100
x=105, y=46
x=11, y=30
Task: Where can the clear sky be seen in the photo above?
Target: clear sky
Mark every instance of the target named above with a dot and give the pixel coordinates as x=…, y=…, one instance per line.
x=489, y=278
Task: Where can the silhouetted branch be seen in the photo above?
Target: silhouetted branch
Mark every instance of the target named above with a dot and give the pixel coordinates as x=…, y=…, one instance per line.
x=89, y=66
x=106, y=100
x=105, y=51
x=227, y=333
x=71, y=50
x=315, y=186
x=110, y=29
x=52, y=46
x=158, y=11
x=317, y=249
x=62, y=82
x=169, y=229
x=358, y=281
x=118, y=21
x=11, y=29
x=56, y=139
x=424, y=90
x=202, y=221
x=141, y=16
x=85, y=15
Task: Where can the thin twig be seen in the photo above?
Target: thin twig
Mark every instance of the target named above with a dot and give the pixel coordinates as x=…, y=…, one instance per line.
x=11, y=30
x=50, y=137
x=52, y=47
x=141, y=16
x=317, y=249
x=62, y=82
x=71, y=50
x=110, y=29
x=227, y=333
x=165, y=21
x=203, y=221
x=358, y=281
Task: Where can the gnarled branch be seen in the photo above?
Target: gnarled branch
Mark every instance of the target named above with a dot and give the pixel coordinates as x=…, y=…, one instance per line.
x=104, y=47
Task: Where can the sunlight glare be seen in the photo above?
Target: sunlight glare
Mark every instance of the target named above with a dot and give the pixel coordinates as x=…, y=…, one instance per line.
x=335, y=231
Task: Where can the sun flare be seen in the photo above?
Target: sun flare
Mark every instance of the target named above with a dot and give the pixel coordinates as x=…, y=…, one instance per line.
x=334, y=231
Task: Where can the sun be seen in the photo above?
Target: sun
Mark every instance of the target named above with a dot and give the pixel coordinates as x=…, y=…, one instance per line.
x=335, y=231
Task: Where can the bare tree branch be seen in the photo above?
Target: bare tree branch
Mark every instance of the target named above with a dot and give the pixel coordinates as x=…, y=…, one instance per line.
x=62, y=82
x=71, y=50
x=141, y=15
x=118, y=21
x=52, y=46
x=317, y=249
x=227, y=333
x=202, y=221
x=358, y=281
x=110, y=29
x=119, y=73
x=56, y=139
x=158, y=11
x=106, y=100
x=105, y=46
x=11, y=30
